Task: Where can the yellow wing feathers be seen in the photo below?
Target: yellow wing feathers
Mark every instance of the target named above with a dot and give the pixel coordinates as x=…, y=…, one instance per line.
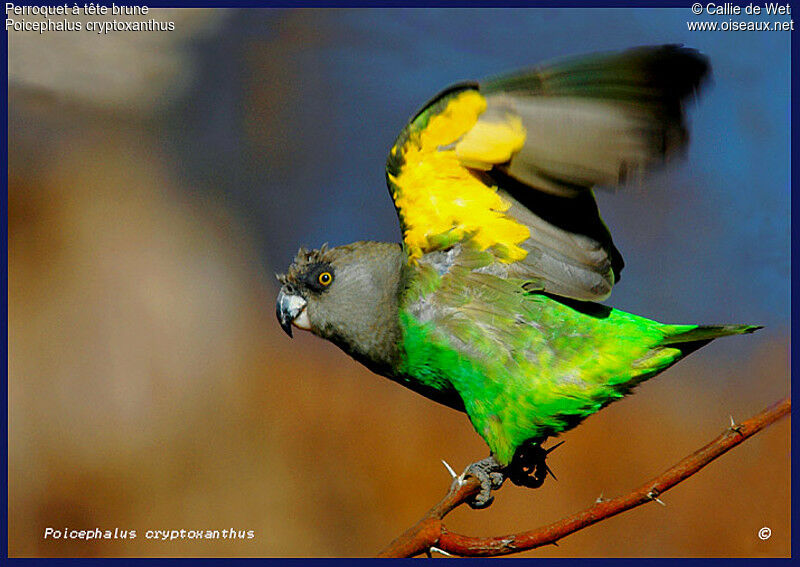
x=489, y=143
x=439, y=199
x=508, y=164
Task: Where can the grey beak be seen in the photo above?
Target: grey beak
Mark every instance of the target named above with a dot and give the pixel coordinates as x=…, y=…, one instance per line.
x=287, y=308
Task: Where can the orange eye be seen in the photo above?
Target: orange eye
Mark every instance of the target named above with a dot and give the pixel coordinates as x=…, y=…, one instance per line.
x=325, y=278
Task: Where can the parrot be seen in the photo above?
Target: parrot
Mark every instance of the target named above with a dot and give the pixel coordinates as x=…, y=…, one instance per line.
x=492, y=302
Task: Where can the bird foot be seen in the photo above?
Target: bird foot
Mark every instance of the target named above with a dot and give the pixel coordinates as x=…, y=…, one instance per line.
x=491, y=476
x=528, y=467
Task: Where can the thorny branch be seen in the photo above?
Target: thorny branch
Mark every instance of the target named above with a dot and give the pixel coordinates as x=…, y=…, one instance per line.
x=430, y=532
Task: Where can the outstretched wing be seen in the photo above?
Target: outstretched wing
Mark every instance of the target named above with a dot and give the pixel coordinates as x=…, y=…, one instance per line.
x=509, y=164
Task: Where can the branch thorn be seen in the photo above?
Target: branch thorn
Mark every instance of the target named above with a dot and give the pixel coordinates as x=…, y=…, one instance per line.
x=653, y=495
x=449, y=469
x=735, y=426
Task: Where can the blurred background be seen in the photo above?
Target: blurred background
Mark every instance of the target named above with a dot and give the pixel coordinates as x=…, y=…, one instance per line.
x=158, y=181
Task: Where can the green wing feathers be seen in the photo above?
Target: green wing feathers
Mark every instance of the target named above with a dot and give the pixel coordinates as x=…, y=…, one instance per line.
x=655, y=74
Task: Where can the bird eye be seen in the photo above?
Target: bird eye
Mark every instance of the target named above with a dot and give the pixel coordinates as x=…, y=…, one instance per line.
x=325, y=278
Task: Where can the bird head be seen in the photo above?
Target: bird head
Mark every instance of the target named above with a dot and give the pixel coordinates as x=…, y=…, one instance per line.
x=310, y=276
x=343, y=294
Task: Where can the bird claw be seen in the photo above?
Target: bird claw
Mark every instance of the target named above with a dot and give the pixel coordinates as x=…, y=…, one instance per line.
x=491, y=476
x=527, y=468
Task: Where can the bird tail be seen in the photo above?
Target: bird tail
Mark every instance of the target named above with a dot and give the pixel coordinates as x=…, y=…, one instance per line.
x=692, y=333
x=678, y=342
x=689, y=338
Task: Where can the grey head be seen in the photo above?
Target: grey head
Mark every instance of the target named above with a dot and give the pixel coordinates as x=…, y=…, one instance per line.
x=349, y=296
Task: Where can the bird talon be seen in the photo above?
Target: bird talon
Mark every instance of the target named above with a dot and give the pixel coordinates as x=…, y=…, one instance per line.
x=491, y=476
x=481, y=500
x=496, y=479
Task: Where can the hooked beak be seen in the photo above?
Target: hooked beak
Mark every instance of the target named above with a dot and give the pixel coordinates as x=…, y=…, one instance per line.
x=289, y=308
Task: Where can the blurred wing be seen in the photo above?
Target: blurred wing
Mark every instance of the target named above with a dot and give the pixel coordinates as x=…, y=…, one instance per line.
x=509, y=164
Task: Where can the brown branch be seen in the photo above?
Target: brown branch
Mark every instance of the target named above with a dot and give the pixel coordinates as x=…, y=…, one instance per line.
x=430, y=531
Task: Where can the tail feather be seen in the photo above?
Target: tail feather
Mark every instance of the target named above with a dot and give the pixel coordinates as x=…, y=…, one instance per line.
x=691, y=333
x=679, y=342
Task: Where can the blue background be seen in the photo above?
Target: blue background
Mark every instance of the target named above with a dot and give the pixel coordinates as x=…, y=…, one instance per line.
x=705, y=240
